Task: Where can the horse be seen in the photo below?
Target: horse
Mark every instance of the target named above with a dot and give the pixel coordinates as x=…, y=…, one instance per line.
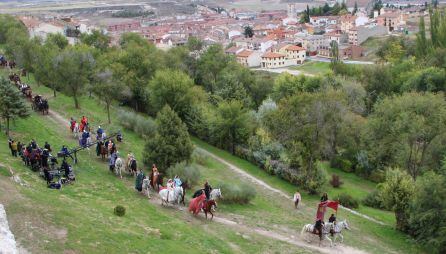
x=104, y=151
x=215, y=193
x=146, y=186
x=119, y=165
x=76, y=130
x=208, y=207
x=173, y=196
x=337, y=230
x=326, y=228
x=185, y=186
x=132, y=166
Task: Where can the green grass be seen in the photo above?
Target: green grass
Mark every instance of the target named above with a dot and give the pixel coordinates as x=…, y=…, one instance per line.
x=92, y=199
x=314, y=68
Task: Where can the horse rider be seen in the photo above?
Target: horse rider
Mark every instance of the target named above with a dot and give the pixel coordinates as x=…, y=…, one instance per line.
x=45, y=156
x=119, y=136
x=13, y=148
x=33, y=144
x=332, y=219
x=324, y=197
x=318, y=228
x=170, y=184
x=297, y=198
x=64, y=151
x=177, y=181
x=113, y=158
x=65, y=167
x=72, y=124
x=207, y=190
x=99, y=133
x=138, y=181
x=47, y=146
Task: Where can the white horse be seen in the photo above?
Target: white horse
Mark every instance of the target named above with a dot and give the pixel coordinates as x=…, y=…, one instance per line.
x=146, y=186
x=215, y=194
x=309, y=229
x=337, y=230
x=173, y=196
x=119, y=165
x=76, y=130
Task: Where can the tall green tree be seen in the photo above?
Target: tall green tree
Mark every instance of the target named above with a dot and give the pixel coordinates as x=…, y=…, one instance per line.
x=107, y=89
x=171, y=143
x=210, y=65
x=355, y=8
x=231, y=125
x=434, y=17
x=422, y=46
x=334, y=52
x=57, y=39
x=396, y=193
x=12, y=104
x=427, y=220
x=248, y=32
x=97, y=39
x=73, y=69
x=407, y=131
x=44, y=68
x=173, y=88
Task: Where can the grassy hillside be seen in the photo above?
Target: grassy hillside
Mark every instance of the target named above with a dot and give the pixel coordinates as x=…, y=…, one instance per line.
x=83, y=211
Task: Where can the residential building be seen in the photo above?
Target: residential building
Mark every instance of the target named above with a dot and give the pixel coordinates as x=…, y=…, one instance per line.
x=272, y=60
x=249, y=58
x=357, y=35
x=310, y=42
x=293, y=54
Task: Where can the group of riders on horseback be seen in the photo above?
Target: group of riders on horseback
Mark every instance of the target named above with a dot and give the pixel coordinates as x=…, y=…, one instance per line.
x=40, y=159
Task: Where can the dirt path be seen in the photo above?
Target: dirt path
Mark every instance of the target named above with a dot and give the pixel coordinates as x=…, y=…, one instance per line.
x=294, y=240
x=270, y=188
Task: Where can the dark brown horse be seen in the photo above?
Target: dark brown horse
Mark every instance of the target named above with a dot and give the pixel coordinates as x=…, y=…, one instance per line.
x=185, y=186
x=207, y=208
x=104, y=151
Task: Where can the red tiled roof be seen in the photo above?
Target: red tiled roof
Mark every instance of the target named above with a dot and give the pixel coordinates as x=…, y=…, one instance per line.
x=272, y=55
x=245, y=53
x=294, y=48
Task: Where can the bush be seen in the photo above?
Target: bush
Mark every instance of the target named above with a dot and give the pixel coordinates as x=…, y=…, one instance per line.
x=237, y=193
x=143, y=126
x=377, y=176
x=348, y=201
x=341, y=163
x=373, y=200
x=335, y=181
x=314, y=181
x=119, y=210
x=199, y=157
x=187, y=172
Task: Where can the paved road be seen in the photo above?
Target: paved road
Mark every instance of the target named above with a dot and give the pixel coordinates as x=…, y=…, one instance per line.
x=326, y=60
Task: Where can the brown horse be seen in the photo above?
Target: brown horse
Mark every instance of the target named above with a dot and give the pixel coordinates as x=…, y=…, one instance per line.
x=207, y=208
x=104, y=152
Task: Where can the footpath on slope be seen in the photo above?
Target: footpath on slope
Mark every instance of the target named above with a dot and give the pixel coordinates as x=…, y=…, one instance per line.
x=296, y=241
x=268, y=187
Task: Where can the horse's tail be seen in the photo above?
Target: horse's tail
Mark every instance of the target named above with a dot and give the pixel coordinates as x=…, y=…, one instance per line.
x=304, y=228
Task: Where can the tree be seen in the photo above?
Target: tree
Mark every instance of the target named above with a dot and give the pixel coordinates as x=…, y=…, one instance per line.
x=73, y=70
x=355, y=9
x=306, y=15
x=396, y=193
x=57, y=39
x=334, y=52
x=44, y=68
x=194, y=43
x=434, y=18
x=173, y=88
x=421, y=39
x=427, y=221
x=407, y=131
x=171, y=143
x=97, y=39
x=107, y=89
x=210, y=65
x=248, y=32
x=12, y=104
x=326, y=8
x=230, y=125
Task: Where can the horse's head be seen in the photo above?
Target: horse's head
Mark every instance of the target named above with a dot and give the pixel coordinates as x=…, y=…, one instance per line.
x=217, y=193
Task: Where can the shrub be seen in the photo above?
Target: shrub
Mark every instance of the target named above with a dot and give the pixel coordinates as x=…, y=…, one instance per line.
x=143, y=126
x=335, y=181
x=377, y=176
x=237, y=193
x=348, y=201
x=341, y=163
x=199, y=157
x=373, y=200
x=187, y=172
x=313, y=181
x=119, y=210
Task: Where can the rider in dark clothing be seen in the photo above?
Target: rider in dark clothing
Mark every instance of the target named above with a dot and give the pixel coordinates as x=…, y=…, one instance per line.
x=33, y=144
x=47, y=175
x=324, y=197
x=45, y=155
x=332, y=218
x=66, y=168
x=207, y=190
x=318, y=228
x=47, y=146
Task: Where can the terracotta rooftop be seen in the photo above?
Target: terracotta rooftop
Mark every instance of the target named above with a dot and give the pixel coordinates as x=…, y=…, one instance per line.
x=294, y=48
x=245, y=53
x=272, y=55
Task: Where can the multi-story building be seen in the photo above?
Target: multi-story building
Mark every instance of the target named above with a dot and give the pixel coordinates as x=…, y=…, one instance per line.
x=310, y=42
x=248, y=58
x=293, y=54
x=358, y=35
x=271, y=60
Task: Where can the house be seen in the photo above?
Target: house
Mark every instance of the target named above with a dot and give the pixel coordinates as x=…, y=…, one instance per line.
x=233, y=50
x=293, y=54
x=309, y=42
x=347, y=22
x=248, y=58
x=272, y=60
x=357, y=35
x=391, y=20
x=344, y=51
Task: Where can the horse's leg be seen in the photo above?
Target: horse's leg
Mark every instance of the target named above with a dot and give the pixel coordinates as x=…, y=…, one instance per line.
x=342, y=237
x=212, y=215
x=328, y=238
x=206, y=214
